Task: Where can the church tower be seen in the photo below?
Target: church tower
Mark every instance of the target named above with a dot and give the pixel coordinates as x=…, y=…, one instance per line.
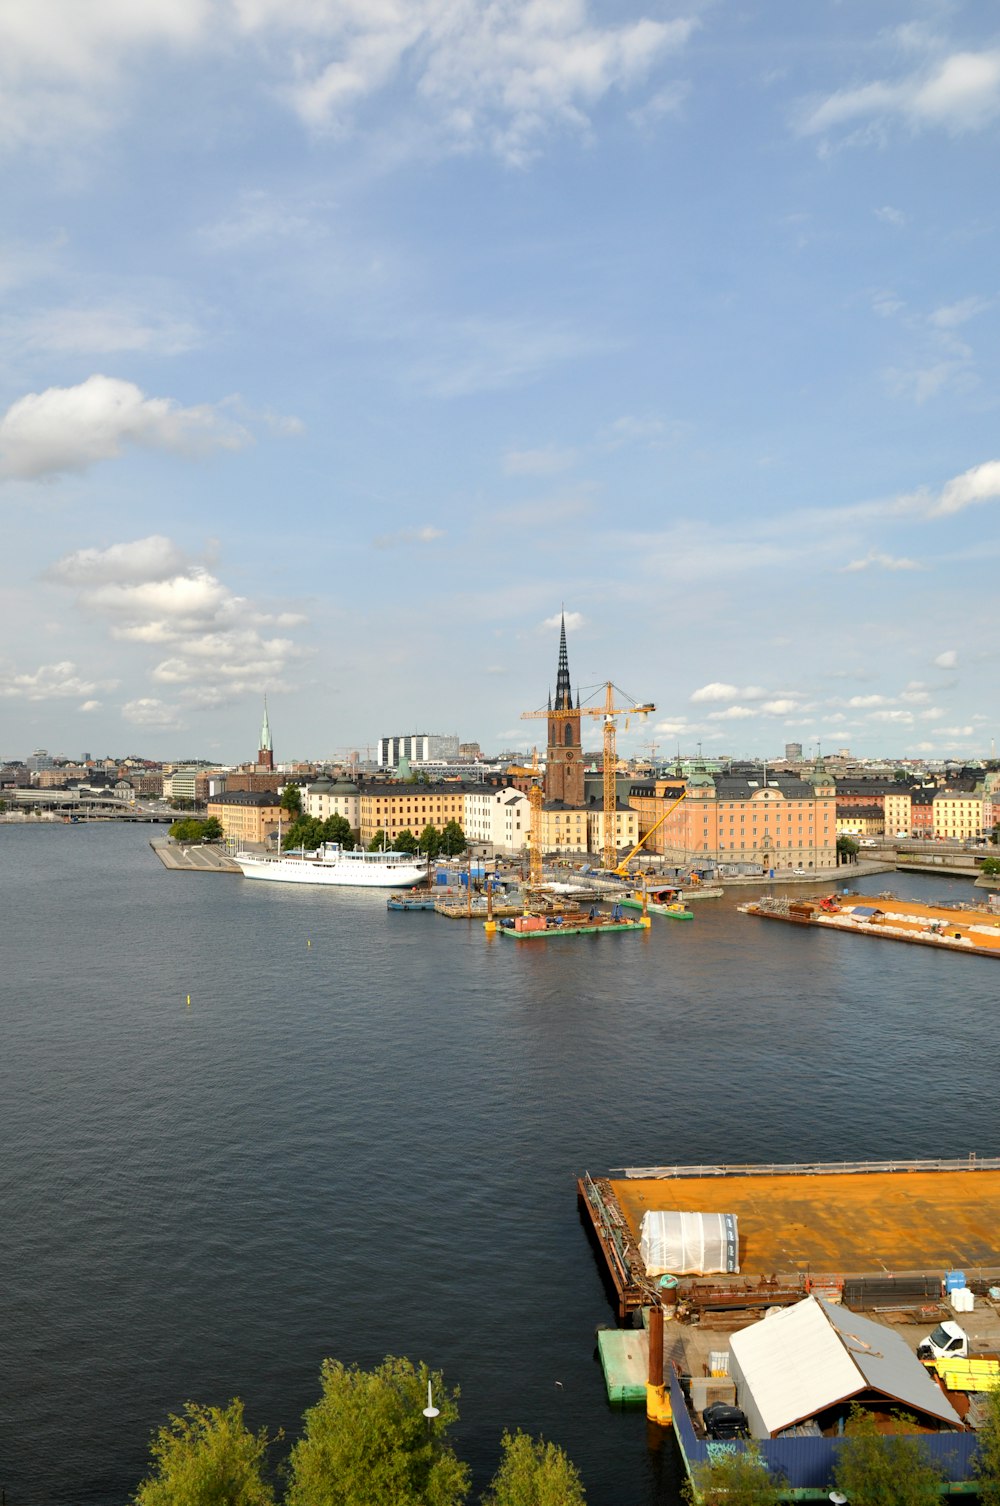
x=564, y=756
x=265, y=756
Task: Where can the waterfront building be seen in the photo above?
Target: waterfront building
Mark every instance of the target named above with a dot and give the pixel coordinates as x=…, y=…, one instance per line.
x=626, y=832
x=859, y=821
x=744, y=821
x=394, y=808
x=246, y=815
x=564, y=828
x=417, y=748
x=327, y=797
x=922, y=813
x=897, y=812
x=958, y=815
x=499, y=817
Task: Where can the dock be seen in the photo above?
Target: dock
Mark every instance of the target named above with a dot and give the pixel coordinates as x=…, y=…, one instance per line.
x=193, y=858
x=624, y=1355
x=600, y=925
x=969, y=930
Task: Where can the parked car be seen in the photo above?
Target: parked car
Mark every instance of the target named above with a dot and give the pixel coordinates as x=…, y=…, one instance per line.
x=724, y=1421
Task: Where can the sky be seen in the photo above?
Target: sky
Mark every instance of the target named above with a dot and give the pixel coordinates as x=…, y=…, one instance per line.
x=345, y=343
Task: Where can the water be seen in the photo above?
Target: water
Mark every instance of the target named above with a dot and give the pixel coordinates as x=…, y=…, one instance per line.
x=369, y=1145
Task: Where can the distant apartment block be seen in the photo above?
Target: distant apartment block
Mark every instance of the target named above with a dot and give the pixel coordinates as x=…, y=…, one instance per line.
x=500, y=818
x=394, y=808
x=417, y=748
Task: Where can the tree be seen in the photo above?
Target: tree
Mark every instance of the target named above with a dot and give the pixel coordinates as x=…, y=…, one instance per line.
x=990, y=866
x=207, y=1457
x=307, y=832
x=337, y=829
x=885, y=1469
x=430, y=841
x=291, y=800
x=378, y=841
x=737, y=1478
x=190, y=830
x=211, y=830
x=405, y=842
x=847, y=849
x=367, y=1443
x=534, y=1473
x=453, y=839
x=987, y=1461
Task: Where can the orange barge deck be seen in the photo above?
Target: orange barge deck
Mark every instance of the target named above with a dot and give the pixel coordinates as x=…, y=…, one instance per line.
x=973, y=932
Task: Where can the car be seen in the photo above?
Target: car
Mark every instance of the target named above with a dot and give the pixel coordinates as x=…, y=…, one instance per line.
x=798, y=873
x=723, y=1421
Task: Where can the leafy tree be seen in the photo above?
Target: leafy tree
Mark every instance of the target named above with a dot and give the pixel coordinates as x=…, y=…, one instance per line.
x=847, y=849
x=405, y=842
x=534, y=1473
x=211, y=830
x=987, y=1462
x=307, y=832
x=735, y=1478
x=291, y=800
x=367, y=1443
x=3, y=806
x=207, y=1457
x=990, y=866
x=378, y=841
x=453, y=839
x=189, y=830
x=885, y=1469
x=430, y=841
x=337, y=829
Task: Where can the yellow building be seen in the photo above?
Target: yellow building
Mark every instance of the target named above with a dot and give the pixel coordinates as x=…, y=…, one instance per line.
x=626, y=832
x=958, y=816
x=246, y=815
x=898, y=808
x=564, y=828
x=395, y=808
x=860, y=821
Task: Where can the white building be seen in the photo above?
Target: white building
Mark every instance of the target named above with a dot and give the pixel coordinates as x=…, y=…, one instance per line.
x=326, y=797
x=501, y=818
x=418, y=748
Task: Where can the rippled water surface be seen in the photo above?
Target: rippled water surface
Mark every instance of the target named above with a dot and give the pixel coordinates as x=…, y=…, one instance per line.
x=369, y=1144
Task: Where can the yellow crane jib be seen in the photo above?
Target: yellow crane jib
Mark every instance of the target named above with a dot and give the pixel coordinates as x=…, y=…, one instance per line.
x=622, y=869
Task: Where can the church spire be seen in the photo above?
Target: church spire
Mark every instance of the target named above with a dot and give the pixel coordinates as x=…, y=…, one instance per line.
x=265, y=732
x=564, y=693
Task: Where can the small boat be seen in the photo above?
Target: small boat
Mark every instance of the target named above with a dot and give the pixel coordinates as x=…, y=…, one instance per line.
x=673, y=911
x=417, y=899
x=663, y=901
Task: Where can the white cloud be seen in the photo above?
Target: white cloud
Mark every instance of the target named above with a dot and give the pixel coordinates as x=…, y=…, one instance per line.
x=783, y=706
x=152, y=558
x=71, y=428
x=425, y=534
x=981, y=483
x=544, y=462
x=958, y=93
x=91, y=706
x=104, y=330
x=890, y=216
x=147, y=711
x=916, y=693
x=875, y=559
x=733, y=714
x=50, y=682
x=573, y=620
x=860, y=701
x=951, y=315
x=948, y=659
x=718, y=690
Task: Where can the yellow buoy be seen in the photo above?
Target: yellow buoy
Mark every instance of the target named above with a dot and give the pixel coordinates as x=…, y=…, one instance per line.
x=189, y=1001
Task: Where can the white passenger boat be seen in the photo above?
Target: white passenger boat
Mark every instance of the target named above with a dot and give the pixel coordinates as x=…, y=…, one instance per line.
x=332, y=864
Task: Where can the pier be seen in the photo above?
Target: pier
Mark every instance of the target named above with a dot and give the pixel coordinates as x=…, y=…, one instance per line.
x=193, y=858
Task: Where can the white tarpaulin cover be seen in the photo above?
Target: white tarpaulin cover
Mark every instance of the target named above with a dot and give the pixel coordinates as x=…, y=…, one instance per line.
x=689, y=1244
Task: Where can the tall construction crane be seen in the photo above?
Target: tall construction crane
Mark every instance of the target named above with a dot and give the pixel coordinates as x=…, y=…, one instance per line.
x=536, y=799
x=608, y=711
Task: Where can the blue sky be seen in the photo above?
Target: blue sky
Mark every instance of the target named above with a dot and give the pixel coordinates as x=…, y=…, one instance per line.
x=345, y=340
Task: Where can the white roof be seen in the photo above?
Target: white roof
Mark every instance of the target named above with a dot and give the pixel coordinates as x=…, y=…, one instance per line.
x=806, y=1358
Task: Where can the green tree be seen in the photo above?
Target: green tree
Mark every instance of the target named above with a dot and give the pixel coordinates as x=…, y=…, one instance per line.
x=188, y=830
x=734, y=1478
x=430, y=841
x=291, y=800
x=405, y=842
x=378, y=841
x=987, y=1462
x=453, y=840
x=847, y=849
x=534, y=1473
x=367, y=1443
x=884, y=1469
x=990, y=866
x=207, y=1457
x=306, y=832
x=337, y=829
x=211, y=830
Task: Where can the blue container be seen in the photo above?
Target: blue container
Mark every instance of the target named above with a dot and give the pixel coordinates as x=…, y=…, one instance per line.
x=441, y=877
x=954, y=1281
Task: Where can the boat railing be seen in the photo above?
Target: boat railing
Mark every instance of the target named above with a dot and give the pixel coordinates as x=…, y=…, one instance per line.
x=972, y=1162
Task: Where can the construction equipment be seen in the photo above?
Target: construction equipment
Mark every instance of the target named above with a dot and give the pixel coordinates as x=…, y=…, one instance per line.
x=622, y=868
x=609, y=711
x=535, y=799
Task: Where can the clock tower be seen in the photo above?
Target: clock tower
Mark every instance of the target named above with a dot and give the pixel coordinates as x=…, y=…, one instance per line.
x=564, y=755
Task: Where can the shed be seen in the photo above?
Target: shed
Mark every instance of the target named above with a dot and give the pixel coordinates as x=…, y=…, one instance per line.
x=813, y=1357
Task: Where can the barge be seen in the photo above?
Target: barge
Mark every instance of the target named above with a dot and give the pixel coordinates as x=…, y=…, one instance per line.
x=971, y=930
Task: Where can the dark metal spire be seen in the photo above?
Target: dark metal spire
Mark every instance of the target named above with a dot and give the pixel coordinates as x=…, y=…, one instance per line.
x=564, y=693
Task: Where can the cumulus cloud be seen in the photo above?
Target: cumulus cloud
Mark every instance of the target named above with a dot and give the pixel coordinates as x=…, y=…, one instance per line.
x=957, y=93
x=147, y=711
x=948, y=659
x=718, y=690
x=981, y=483
x=71, y=428
x=91, y=706
x=733, y=714
x=214, y=642
x=50, y=682
x=573, y=620
x=876, y=560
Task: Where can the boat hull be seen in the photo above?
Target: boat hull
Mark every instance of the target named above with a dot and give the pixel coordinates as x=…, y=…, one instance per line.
x=367, y=871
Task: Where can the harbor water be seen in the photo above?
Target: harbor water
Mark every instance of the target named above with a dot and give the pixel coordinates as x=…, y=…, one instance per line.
x=361, y=1137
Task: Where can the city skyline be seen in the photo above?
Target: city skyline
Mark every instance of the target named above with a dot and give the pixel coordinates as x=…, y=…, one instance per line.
x=412, y=325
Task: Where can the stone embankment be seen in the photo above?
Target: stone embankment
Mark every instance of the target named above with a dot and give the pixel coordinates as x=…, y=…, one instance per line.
x=192, y=857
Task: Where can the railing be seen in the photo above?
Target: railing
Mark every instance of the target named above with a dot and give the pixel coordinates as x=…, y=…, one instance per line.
x=812, y=1168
